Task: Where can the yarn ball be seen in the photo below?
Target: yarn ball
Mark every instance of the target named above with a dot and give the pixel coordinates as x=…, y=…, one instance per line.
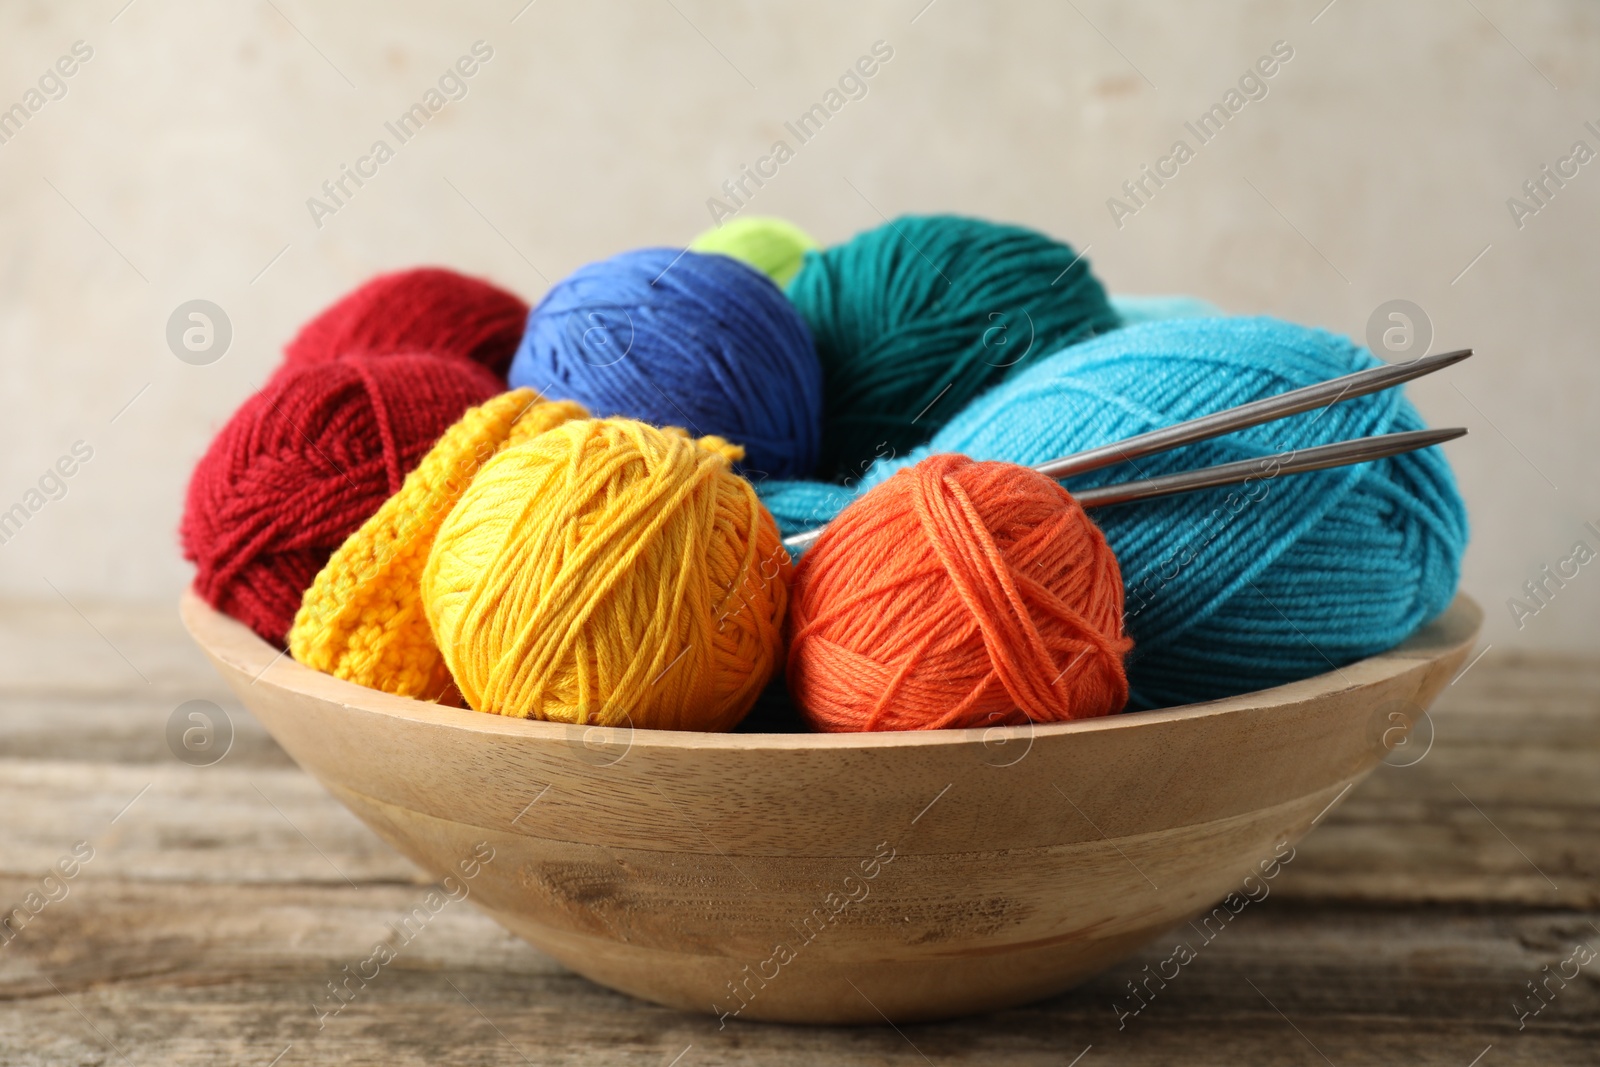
x=362, y=618
x=958, y=594
x=610, y=573
x=302, y=464
x=772, y=246
x=1241, y=587
x=915, y=318
x=426, y=309
x=679, y=338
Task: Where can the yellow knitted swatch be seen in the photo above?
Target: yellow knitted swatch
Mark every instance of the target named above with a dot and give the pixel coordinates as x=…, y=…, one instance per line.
x=610, y=573
x=362, y=617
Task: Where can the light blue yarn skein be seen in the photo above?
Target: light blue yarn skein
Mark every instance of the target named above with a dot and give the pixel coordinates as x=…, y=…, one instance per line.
x=1225, y=594
x=685, y=339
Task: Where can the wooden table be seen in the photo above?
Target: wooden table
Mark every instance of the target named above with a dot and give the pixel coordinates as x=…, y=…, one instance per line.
x=219, y=901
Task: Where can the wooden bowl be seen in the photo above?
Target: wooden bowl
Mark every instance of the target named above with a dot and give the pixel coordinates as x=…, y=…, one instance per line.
x=836, y=878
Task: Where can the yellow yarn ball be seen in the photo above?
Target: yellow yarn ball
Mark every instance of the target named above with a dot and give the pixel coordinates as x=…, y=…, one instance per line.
x=772, y=246
x=362, y=618
x=610, y=573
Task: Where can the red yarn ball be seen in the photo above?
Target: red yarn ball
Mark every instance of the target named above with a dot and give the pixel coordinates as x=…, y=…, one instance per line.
x=958, y=594
x=427, y=309
x=306, y=461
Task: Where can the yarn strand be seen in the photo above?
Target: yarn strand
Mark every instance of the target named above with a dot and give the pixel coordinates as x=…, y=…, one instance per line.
x=958, y=594
x=585, y=577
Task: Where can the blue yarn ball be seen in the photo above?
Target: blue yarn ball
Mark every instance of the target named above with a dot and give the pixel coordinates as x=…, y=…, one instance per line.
x=685, y=339
x=1224, y=594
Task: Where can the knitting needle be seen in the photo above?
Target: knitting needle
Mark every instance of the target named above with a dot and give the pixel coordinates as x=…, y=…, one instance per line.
x=1254, y=413
x=1265, y=468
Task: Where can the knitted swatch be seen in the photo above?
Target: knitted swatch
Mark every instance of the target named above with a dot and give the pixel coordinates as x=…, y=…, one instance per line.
x=362, y=619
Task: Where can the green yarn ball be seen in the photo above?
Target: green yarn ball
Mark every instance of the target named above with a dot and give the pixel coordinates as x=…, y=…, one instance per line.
x=772, y=246
x=914, y=319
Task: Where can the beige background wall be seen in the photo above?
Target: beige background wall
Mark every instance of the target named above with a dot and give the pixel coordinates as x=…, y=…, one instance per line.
x=178, y=164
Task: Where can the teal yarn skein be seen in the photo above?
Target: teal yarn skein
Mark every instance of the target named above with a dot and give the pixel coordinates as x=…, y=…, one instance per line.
x=915, y=318
x=1239, y=588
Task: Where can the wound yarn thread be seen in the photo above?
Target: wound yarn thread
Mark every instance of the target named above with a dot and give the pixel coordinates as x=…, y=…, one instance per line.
x=915, y=318
x=362, y=618
x=302, y=464
x=772, y=246
x=1242, y=587
x=424, y=309
x=610, y=573
x=677, y=338
x=958, y=594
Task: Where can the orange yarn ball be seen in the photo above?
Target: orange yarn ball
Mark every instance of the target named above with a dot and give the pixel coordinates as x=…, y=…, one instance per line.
x=958, y=594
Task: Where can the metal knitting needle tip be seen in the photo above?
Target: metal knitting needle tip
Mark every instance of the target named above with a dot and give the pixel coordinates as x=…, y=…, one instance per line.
x=1266, y=468
x=1262, y=468
x=802, y=540
x=1256, y=412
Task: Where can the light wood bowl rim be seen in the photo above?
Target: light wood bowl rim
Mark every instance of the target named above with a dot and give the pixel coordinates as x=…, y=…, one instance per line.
x=233, y=643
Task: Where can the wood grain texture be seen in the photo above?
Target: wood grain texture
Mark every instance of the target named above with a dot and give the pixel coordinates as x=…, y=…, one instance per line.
x=206, y=924
x=845, y=878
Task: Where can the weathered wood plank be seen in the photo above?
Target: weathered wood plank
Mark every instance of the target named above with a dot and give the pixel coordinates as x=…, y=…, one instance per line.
x=185, y=824
x=121, y=728
x=230, y=975
x=1505, y=805
x=52, y=647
